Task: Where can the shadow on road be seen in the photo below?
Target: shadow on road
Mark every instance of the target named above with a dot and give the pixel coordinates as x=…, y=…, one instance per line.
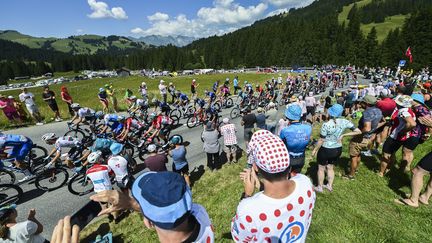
x=30, y=195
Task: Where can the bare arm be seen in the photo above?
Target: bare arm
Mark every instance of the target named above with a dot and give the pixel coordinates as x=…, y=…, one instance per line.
x=410, y=124
x=426, y=120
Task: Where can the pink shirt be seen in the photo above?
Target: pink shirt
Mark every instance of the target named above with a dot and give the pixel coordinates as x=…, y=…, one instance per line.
x=9, y=106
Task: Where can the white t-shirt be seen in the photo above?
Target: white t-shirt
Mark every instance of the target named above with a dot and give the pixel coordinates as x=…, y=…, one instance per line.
x=264, y=219
x=66, y=142
x=24, y=232
x=99, y=175
x=206, y=234
x=302, y=104
x=162, y=88
x=85, y=112
x=27, y=98
x=118, y=164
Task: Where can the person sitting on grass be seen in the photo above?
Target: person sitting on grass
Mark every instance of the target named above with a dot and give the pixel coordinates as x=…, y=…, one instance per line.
x=282, y=212
x=329, y=147
x=170, y=211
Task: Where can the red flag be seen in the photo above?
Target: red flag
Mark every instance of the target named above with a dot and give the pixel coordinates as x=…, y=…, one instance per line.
x=409, y=54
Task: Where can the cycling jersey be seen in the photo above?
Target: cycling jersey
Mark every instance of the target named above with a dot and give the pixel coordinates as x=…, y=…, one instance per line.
x=200, y=102
x=108, y=118
x=21, y=145
x=161, y=121
x=66, y=142
x=141, y=103
x=86, y=112
x=183, y=97
x=211, y=95
x=99, y=175
x=118, y=165
x=132, y=123
x=215, y=86
x=296, y=137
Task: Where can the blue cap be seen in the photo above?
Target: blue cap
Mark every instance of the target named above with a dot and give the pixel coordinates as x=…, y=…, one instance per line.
x=293, y=112
x=419, y=98
x=116, y=148
x=164, y=198
x=336, y=110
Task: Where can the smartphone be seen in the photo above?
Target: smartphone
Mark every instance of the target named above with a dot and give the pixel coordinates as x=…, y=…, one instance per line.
x=86, y=214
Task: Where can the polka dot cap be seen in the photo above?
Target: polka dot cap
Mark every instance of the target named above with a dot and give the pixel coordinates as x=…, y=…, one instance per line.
x=268, y=152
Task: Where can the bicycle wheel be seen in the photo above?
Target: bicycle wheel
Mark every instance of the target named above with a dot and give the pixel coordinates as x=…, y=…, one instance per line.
x=80, y=185
x=253, y=104
x=142, y=153
x=176, y=120
x=217, y=106
x=129, y=149
x=229, y=102
x=76, y=134
x=52, y=179
x=235, y=112
x=192, y=122
x=7, y=177
x=38, y=152
x=190, y=111
x=10, y=194
x=176, y=112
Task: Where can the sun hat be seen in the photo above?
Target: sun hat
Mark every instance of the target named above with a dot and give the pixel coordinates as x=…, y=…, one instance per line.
x=419, y=98
x=268, y=152
x=369, y=99
x=225, y=120
x=335, y=111
x=116, y=148
x=404, y=101
x=151, y=148
x=164, y=198
x=293, y=112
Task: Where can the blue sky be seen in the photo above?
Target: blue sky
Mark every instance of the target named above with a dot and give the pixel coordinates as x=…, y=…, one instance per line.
x=198, y=18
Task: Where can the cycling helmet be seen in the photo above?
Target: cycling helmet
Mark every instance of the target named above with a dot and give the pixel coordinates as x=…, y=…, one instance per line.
x=116, y=148
x=94, y=157
x=101, y=90
x=257, y=85
x=133, y=97
x=99, y=115
x=206, y=92
x=75, y=106
x=175, y=140
x=49, y=136
x=121, y=118
x=227, y=79
x=170, y=83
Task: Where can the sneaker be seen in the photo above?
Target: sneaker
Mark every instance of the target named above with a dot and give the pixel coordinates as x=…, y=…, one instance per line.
x=348, y=177
x=58, y=119
x=26, y=178
x=329, y=188
x=367, y=153
x=318, y=189
x=39, y=123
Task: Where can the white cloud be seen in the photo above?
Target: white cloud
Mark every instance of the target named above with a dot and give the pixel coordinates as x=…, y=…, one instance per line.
x=290, y=3
x=101, y=10
x=158, y=17
x=79, y=31
x=224, y=16
x=277, y=12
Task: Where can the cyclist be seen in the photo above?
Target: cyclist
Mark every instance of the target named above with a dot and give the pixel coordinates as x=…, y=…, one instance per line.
x=163, y=106
x=160, y=125
x=181, y=99
x=201, y=104
x=75, y=153
x=259, y=91
x=21, y=147
x=82, y=114
x=210, y=96
x=114, y=122
x=119, y=165
x=138, y=105
x=130, y=124
x=225, y=91
x=216, y=86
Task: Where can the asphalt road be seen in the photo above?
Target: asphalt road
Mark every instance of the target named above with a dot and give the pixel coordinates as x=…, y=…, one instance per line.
x=51, y=206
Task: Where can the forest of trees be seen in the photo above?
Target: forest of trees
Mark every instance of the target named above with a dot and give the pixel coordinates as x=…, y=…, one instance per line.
x=304, y=37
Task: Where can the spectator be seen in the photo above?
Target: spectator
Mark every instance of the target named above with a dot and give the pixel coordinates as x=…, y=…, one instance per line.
x=328, y=103
x=236, y=85
x=210, y=137
x=387, y=105
x=271, y=116
x=194, y=87
x=143, y=90
x=228, y=131
x=170, y=211
x=371, y=119
x=329, y=147
x=163, y=90
x=261, y=118
x=402, y=133
x=302, y=104
x=296, y=137
x=7, y=105
x=28, y=99
x=18, y=107
x=349, y=102
x=111, y=94
x=49, y=97
x=12, y=231
x=285, y=206
x=155, y=161
x=172, y=91
x=180, y=164
x=248, y=122
x=310, y=106
x=103, y=99
x=66, y=97
x=127, y=97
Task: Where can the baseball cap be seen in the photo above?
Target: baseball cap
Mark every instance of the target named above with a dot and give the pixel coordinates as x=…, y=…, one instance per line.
x=268, y=152
x=164, y=198
x=404, y=101
x=225, y=120
x=151, y=148
x=336, y=110
x=369, y=99
x=419, y=98
x=293, y=112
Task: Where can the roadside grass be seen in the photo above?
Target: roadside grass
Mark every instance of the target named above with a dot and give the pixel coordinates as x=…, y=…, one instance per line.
x=85, y=91
x=362, y=210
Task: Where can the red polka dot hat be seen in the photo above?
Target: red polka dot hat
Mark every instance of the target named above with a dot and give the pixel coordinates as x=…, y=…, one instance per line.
x=268, y=152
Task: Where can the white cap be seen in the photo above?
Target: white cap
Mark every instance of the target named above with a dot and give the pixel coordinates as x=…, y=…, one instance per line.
x=151, y=148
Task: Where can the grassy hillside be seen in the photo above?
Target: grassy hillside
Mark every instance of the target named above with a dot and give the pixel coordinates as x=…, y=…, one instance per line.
x=357, y=211
x=383, y=29
x=84, y=44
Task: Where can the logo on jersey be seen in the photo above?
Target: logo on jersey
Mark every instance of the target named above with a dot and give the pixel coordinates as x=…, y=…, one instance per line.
x=292, y=232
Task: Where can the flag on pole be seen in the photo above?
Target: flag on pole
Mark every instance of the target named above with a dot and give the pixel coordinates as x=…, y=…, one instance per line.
x=409, y=54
